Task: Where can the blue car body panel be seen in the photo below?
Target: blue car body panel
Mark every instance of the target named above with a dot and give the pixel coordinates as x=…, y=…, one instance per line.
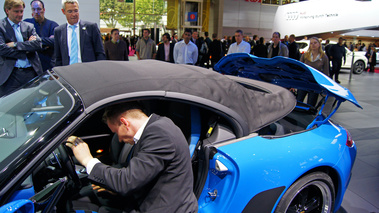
x=24, y=206
x=253, y=164
x=288, y=73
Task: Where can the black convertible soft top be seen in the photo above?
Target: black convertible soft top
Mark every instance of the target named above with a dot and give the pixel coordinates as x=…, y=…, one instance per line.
x=97, y=81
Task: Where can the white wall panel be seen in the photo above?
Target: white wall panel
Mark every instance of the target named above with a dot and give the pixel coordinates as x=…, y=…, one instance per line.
x=243, y=14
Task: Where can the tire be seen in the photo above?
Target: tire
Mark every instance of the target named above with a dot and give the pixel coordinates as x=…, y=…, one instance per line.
x=358, y=67
x=313, y=193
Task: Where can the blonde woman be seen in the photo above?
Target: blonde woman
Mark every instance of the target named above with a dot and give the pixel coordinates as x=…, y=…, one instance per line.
x=316, y=58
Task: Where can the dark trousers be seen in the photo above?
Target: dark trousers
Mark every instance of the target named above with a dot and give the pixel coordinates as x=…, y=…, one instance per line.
x=372, y=68
x=312, y=97
x=18, y=78
x=336, y=67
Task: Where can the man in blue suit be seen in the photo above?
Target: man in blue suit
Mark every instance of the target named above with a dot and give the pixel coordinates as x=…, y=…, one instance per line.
x=45, y=29
x=77, y=41
x=19, y=61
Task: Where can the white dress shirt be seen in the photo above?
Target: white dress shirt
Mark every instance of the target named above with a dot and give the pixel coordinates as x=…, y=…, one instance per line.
x=243, y=47
x=185, y=53
x=69, y=33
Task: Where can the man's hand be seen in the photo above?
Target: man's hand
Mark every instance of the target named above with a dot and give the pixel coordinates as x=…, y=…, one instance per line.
x=101, y=189
x=80, y=150
x=32, y=38
x=10, y=44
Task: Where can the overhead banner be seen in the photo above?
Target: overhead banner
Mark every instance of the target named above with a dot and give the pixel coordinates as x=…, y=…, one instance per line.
x=172, y=14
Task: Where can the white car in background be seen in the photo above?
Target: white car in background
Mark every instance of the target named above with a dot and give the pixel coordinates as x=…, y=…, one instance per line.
x=360, y=60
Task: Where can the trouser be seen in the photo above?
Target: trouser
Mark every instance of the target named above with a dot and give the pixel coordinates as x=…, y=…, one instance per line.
x=312, y=97
x=18, y=78
x=372, y=67
x=336, y=67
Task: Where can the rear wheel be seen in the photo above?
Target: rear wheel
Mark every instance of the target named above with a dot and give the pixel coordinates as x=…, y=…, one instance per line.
x=359, y=67
x=313, y=193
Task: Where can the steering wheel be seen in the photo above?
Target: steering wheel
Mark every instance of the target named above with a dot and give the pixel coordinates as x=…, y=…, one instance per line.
x=68, y=165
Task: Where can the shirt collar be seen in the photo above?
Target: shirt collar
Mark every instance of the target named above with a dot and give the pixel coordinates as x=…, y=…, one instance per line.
x=317, y=58
x=12, y=23
x=137, y=136
x=77, y=24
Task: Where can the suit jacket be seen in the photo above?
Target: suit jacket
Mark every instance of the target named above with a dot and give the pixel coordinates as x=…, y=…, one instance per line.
x=159, y=175
x=293, y=50
x=91, y=45
x=45, y=30
x=23, y=50
x=283, y=50
x=161, y=53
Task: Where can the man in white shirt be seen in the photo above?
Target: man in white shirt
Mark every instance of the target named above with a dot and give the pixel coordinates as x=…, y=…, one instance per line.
x=240, y=46
x=186, y=52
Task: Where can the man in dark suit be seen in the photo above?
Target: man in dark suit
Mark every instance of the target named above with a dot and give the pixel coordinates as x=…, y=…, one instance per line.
x=166, y=49
x=159, y=174
x=78, y=41
x=196, y=40
x=293, y=48
x=45, y=30
x=19, y=61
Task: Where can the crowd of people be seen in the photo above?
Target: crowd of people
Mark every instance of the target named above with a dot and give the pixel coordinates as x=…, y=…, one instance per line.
x=47, y=45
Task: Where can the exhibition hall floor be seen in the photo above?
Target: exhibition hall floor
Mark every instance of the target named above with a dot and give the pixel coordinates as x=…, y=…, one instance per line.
x=362, y=195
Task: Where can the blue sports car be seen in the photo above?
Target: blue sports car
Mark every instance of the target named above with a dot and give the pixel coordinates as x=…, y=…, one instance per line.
x=254, y=148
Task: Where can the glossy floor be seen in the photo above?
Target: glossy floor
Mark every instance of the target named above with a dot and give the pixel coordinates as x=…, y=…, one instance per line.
x=362, y=195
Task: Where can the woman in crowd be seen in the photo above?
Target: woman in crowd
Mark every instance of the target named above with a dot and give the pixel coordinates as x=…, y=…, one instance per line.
x=317, y=59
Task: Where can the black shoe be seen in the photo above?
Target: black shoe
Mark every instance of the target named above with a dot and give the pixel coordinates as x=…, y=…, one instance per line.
x=338, y=81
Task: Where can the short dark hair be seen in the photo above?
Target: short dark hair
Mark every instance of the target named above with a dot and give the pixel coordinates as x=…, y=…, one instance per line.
x=261, y=40
x=214, y=35
x=187, y=30
x=115, y=29
x=255, y=36
x=167, y=36
x=146, y=29
x=206, y=34
x=111, y=113
x=43, y=5
x=239, y=31
x=277, y=33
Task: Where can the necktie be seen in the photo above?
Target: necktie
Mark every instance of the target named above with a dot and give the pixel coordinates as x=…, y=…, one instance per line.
x=20, y=62
x=74, y=46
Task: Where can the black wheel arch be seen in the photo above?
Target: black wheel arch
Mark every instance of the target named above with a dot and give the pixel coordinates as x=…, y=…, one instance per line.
x=332, y=173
